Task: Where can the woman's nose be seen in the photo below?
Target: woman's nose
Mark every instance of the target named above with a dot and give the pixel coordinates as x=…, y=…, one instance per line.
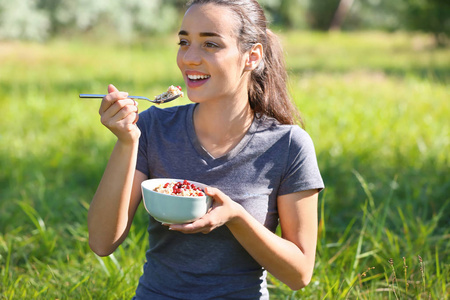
x=192, y=56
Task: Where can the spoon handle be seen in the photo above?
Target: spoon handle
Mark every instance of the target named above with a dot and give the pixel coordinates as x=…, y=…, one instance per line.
x=103, y=95
x=133, y=97
x=92, y=95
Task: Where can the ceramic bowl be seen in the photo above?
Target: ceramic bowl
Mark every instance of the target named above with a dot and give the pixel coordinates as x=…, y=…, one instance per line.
x=173, y=209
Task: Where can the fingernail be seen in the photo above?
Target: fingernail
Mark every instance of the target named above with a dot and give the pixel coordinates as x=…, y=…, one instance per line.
x=123, y=94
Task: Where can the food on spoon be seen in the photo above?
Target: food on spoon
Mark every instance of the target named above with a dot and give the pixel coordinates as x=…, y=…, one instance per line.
x=181, y=188
x=171, y=92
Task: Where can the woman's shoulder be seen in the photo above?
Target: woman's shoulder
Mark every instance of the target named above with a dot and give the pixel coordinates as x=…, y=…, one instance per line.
x=292, y=138
x=294, y=131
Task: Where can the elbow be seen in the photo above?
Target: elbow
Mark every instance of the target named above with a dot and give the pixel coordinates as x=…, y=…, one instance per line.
x=99, y=249
x=300, y=283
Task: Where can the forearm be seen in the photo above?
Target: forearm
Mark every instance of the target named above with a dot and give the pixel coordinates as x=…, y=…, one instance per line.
x=281, y=257
x=109, y=213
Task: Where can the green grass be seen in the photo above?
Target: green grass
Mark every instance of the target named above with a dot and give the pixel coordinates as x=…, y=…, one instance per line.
x=376, y=105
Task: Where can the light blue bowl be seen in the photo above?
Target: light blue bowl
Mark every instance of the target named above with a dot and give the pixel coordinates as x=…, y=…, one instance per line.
x=172, y=209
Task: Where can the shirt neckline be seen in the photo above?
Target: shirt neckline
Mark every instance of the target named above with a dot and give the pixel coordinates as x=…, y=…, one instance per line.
x=204, y=153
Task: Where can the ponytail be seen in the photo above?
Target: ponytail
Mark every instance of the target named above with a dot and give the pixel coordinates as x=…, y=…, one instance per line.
x=268, y=93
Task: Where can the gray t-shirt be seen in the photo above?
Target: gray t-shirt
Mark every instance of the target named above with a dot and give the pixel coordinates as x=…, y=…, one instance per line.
x=269, y=161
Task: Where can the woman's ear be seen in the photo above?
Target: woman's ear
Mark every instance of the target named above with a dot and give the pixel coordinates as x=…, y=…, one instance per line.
x=255, y=56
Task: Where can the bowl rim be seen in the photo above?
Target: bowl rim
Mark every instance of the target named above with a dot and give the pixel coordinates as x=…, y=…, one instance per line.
x=147, y=188
x=145, y=183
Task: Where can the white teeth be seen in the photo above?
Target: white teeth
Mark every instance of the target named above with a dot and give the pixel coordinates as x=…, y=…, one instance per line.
x=197, y=77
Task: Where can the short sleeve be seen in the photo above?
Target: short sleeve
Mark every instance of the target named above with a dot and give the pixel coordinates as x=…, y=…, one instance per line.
x=142, y=159
x=301, y=168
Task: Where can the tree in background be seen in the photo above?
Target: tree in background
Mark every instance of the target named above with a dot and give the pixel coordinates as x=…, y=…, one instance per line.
x=21, y=19
x=432, y=16
x=340, y=14
x=41, y=19
x=286, y=13
x=320, y=13
x=429, y=16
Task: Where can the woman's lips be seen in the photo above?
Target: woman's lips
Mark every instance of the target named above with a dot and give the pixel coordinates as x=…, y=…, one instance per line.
x=196, y=80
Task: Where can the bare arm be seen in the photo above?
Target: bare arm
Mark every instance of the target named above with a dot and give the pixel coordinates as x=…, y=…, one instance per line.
x=118, y=195
x=291, y=257
x=115, y=203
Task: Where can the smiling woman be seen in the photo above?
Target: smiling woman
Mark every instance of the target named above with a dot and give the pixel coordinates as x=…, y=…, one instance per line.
x=240, y=139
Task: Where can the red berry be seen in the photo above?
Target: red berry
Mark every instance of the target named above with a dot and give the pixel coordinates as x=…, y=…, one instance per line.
x=179, y=87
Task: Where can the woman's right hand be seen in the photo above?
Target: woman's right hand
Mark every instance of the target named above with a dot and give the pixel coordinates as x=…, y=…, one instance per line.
x=120, y=114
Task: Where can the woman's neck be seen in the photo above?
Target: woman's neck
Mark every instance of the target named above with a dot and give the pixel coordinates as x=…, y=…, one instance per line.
x=220, y=126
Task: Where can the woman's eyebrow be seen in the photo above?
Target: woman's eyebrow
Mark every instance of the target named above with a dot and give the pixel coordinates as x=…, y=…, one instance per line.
x=202, y=34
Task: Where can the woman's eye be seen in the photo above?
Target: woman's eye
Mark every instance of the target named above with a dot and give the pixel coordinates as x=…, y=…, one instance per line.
x=183, y=43
x=211, y=45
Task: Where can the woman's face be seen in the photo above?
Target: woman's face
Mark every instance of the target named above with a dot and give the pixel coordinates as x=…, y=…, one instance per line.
x=209, y=57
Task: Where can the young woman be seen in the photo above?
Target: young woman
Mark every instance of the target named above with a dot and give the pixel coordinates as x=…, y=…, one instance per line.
x=239, y=137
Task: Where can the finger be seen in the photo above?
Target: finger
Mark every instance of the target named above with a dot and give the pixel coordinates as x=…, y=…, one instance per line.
x=122, y=111
x=197, y=226
x=215, y=193
x=112, y=88
x=116, y=106
x=184, y=228
x=111, y=98
x=125, y=123
x=136, y=119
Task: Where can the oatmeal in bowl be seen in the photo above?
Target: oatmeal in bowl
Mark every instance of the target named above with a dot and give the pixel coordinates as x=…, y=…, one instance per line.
x=180, y=188
x=175, y=201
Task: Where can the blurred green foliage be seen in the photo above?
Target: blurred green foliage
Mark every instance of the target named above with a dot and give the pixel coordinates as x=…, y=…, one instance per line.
x=42, y=19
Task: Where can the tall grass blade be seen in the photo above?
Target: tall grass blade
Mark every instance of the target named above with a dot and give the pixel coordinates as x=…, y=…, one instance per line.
x=102, y=264
x=79, y=283
x=366, y=189
x=322, y=218
x=422, y=273
x=394, y=284
x=360, y=242
x=33, y=216
x=6, y=270
x=43, y=290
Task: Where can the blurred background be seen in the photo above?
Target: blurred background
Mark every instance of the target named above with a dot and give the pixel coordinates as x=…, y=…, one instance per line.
x=370, y=77
x=44, y=19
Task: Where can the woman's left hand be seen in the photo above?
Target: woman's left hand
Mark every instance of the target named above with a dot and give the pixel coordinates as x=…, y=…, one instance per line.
x=222, y=211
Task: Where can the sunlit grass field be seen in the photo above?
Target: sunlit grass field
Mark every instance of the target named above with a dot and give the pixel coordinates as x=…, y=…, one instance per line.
x=377, y=106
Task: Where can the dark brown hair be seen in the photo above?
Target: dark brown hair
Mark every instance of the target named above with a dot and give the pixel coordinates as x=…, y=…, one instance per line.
x=268, y=92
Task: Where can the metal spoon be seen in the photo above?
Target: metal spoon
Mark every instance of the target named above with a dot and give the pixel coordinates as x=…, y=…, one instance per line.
x=164, y=100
